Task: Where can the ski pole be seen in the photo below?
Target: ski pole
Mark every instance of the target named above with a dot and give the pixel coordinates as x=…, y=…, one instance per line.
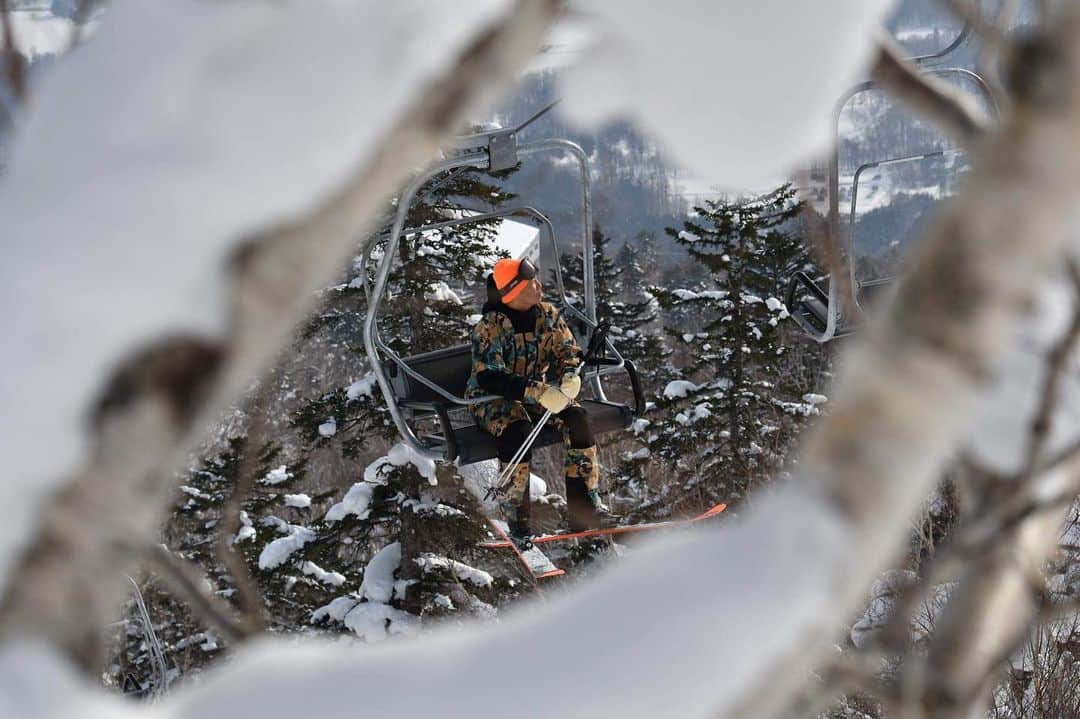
x=501, y=486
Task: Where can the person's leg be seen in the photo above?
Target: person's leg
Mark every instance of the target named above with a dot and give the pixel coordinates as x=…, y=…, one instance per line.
x=518, y=501
x=583, y=505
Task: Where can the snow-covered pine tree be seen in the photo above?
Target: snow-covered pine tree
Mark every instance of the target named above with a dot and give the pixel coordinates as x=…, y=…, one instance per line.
x=626, y=305
x=622, y=299
x=718, y=427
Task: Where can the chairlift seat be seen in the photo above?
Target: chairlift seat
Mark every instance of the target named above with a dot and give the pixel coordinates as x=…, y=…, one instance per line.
x=450, y=369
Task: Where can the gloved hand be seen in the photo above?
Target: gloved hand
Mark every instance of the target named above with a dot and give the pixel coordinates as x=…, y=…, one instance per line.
x=550, y=398
x=571, y=385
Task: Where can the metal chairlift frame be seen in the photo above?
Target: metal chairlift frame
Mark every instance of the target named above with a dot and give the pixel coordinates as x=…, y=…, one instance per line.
x=828, y=327
x=492, y=151
x=858, y=285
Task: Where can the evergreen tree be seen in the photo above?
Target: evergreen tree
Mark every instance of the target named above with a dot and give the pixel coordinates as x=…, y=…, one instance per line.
x=626, y=305
x=728, y=413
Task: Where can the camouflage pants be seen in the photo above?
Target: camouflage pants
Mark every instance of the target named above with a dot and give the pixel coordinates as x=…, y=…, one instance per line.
x=511, y=423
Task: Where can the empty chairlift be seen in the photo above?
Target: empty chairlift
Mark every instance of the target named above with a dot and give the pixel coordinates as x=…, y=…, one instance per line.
x=877, y=203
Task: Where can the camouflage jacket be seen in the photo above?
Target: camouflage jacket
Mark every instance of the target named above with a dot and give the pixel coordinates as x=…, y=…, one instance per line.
x=513, y=350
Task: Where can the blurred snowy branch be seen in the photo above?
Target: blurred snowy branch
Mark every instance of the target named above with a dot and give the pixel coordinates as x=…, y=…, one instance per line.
x=14, y=63
x=971, y=12
x=759, y=604
x=152, y=404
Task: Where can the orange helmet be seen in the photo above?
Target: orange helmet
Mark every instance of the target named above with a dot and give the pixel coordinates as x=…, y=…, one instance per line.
x=511, y=277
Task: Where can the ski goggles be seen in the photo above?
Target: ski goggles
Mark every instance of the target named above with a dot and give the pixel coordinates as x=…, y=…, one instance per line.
x=526, y=271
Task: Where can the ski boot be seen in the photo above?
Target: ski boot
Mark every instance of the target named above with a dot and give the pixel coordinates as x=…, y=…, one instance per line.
x=584, y=508
x=516, y=505
x=517, y=522
x=604, y=515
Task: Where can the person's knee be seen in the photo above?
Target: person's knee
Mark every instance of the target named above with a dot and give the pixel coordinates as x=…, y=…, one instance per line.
x=578, y=427
x=512, y=438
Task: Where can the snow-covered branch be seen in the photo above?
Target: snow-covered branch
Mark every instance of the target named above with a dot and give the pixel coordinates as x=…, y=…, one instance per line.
x=758, y=603
x=150, y=410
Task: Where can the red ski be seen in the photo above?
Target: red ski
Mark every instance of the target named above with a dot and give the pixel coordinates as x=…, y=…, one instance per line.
x=608, y=531
x=534, y=560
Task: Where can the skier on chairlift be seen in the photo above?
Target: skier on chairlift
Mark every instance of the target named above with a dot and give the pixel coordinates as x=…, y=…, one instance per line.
x=523, y=351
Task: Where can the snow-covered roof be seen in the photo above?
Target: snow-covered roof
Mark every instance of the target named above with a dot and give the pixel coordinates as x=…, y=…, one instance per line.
x=520, y=239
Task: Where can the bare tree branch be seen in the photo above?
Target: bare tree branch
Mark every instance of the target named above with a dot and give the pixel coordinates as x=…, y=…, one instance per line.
x=185, y=582
x=247, y=590
x=989, y=614
x=845, y=674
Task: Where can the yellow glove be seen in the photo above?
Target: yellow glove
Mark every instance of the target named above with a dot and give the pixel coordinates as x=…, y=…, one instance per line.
x=571, y=386
x=550, y=398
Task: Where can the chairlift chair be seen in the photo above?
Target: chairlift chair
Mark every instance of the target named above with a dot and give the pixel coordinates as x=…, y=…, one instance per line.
x=432, y=385
x=816, y=310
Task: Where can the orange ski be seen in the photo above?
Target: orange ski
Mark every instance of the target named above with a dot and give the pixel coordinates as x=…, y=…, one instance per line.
x=608, y=531
x=534, y=560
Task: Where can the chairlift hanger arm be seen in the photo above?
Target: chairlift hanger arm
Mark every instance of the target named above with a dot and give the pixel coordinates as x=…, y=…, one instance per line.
x=903, y=78
x=371, y=340
x=856, y=284
x=828, y=327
